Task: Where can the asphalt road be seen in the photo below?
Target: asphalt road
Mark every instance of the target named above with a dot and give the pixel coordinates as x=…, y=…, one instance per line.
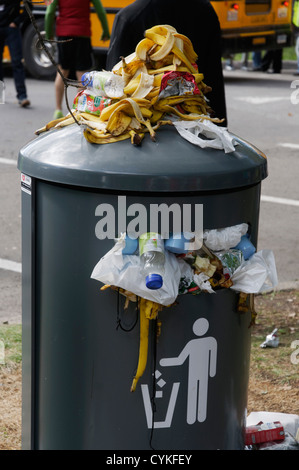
x=262, y=108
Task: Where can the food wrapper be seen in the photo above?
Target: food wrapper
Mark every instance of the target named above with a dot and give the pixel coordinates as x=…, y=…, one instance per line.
x=178, y=84
x=206, y=134
x=264, y=432
x=186, y=280
x=231, y=260
x=88, y=103
x=271, y=341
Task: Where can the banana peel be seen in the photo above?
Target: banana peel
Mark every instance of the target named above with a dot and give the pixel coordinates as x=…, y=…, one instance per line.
x=148, y=311
x=55, y=123
x=95, y=137
x=143, y=48
x=165, y=48
x=118, y=123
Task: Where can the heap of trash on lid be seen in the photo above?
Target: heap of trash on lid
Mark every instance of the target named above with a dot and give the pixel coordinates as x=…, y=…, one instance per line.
x=155, y=271
x=158, y=84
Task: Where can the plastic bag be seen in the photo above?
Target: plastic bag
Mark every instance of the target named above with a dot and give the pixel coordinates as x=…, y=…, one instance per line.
x=257, y=275
x=124, y=271
x=214, y=136
x=202, y=281
x=271, y=341
x=224, y=238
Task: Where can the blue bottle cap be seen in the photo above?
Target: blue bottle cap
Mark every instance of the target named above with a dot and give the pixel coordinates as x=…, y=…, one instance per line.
x=154, y=281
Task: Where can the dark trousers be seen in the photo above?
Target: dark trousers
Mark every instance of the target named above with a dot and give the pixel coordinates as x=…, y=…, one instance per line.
x=273, y=57
x=12, y=37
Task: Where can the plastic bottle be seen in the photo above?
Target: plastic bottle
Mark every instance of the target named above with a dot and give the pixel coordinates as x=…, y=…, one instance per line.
x=104, y=83
x=152, y=259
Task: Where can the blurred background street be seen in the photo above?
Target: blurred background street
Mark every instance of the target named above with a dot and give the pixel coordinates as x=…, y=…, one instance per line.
x=262, y=109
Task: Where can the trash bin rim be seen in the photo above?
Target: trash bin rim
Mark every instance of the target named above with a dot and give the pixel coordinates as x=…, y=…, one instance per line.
x=120, y=166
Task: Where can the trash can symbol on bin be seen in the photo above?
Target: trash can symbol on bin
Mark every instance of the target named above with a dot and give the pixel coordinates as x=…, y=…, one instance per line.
x=198, y=378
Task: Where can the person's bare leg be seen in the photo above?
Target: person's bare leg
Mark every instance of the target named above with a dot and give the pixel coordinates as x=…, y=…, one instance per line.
x=59, y=89
x=79, y=75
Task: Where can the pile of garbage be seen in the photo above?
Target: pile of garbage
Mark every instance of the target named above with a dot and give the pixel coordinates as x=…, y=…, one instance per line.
x=153, y=272
x=158, y=84
x=224, y=258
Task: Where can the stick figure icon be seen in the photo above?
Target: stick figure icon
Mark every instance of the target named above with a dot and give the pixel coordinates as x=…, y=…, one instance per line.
x=202, y=355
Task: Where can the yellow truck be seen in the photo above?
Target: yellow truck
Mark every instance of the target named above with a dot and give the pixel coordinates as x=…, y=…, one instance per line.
x=246, y=25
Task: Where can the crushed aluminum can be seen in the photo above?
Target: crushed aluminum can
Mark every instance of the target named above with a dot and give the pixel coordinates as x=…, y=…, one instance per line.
x=272, y=340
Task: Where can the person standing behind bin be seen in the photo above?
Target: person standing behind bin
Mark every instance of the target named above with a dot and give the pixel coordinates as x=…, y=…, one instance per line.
x=273, y=57
x=10, y=20
x=295, y=20
x=73, y=28
x=196, y=19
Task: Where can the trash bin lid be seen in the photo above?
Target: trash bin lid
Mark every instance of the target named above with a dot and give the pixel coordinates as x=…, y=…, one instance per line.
x=170, y=164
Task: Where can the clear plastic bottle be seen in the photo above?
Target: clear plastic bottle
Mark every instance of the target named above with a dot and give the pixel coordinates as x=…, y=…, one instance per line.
x=152, y=259
x=104, y=83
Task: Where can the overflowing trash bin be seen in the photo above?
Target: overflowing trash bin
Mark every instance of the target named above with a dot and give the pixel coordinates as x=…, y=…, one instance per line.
x=116, y=358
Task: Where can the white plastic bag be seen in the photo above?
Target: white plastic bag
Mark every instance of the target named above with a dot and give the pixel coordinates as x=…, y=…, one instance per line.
x=214, y=136
x=257, y=275
x=124, y=271
x=224, y=238
x=202, y=281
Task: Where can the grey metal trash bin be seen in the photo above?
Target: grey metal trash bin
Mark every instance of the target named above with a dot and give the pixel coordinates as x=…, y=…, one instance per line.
x=77, y=366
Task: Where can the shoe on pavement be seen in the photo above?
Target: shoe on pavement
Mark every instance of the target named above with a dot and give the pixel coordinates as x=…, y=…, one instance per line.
x=24, y=103
x=58, y=114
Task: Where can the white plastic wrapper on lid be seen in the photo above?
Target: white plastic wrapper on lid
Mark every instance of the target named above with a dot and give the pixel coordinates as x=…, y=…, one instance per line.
x=206, y=134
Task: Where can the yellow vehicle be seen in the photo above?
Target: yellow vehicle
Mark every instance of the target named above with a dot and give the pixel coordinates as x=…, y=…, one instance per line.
x=246, y=25
x=249, y=25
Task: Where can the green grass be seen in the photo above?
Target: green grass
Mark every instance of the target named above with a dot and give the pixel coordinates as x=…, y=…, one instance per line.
x=289, y=54
x=280, y=310
x=10, y=344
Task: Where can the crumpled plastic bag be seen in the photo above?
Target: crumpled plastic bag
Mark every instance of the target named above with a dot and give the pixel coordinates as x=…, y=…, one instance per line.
x=257, y=275
x=271, y=341
x=202, y=281
x=124, y=271
x=213, y=136
x=224, y=238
